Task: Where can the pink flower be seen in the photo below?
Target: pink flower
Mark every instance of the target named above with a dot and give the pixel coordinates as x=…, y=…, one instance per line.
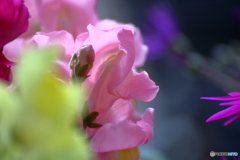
x=120, y=141
x=13, y=20
x=113, y=79
x=112, y=85
x=70, y=15
x=234, y=97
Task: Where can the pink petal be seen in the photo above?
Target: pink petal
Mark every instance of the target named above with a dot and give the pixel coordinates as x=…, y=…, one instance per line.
x=232, y=119
x=39, y=41
x=63, y=70
x=123, y=135
x=225, y=113
x=229, y=98
x=140, y=49
x=64, y=41
x=230, y=103
x=119, y=111
x=105, y=45
x=137, y=86
x=234, y=94
x=13, y=49
x=80, y=40
x=124, y=59
x=13, y=20
x=147, y=124
x=61, y=38
x=100, y=99
x=103, y=40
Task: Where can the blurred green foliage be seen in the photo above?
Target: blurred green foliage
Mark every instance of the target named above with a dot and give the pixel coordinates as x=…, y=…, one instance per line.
x=39, y=119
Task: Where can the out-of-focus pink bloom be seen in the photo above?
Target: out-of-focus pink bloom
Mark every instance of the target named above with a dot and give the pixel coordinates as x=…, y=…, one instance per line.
x=64, y=41
x=13, y=20
x=120, y=141
x=70, y=15
x=234, y=97
x=34, y=23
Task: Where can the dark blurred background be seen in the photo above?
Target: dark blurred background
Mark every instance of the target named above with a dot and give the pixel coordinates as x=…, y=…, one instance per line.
x=181, y=132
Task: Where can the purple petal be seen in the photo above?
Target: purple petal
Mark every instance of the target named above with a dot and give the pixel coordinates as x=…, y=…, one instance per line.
x=234, y=94
x=232, y=119
x=221, y=98
x=230, y=103
x=225, y=113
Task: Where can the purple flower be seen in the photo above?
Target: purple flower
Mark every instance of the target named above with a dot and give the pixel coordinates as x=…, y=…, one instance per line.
x=162, y=29
x=234, y=98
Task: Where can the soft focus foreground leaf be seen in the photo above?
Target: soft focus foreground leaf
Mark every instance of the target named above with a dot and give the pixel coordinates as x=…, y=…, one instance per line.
x=8, y=112
x=34, y=66
x=46, y=124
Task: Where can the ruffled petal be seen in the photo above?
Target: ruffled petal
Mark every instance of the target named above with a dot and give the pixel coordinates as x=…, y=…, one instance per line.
x=137, y=86
x=123, y=135
x=61, y=38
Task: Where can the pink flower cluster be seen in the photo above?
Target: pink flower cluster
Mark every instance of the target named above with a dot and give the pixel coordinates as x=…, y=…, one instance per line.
x=106, y=55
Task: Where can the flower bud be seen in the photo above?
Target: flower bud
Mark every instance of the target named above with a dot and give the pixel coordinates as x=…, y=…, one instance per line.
x=82, y=62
